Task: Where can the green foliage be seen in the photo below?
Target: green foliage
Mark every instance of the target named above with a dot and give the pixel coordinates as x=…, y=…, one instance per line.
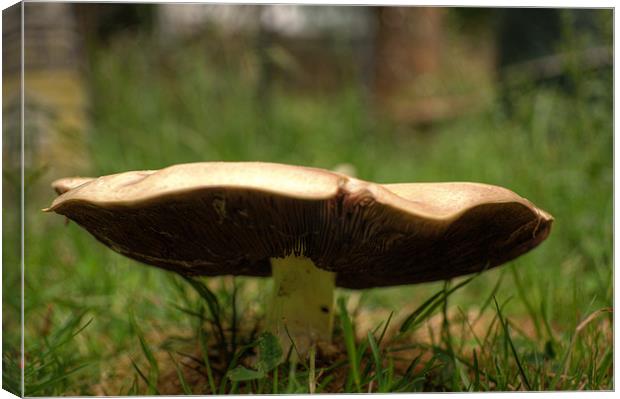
x=269, y=352
x=269, y=356
x=50, y=364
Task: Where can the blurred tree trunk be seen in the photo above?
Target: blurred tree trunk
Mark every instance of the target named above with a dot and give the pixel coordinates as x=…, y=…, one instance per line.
x=408, y=45
x=426, y=70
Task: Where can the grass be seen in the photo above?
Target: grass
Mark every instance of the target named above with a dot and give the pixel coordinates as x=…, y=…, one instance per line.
x=97, y=323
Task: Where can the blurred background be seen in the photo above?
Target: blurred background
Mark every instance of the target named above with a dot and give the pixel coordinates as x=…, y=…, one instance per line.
x=520, y=98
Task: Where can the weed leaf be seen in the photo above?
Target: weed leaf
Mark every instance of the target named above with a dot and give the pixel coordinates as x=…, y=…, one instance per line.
x=241, y=373
x=269, y=352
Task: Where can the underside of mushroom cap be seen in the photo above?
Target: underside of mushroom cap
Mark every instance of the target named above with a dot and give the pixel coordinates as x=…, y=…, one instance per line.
x=231, y=218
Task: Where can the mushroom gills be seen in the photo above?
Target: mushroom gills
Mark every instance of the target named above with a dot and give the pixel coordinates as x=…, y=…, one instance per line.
x=302, y=303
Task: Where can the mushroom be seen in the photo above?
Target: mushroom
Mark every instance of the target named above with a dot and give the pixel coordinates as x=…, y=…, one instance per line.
x=311, y=229
x=61, y=186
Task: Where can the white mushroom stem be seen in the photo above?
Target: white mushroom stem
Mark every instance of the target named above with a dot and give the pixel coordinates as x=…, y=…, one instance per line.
x=302, y=303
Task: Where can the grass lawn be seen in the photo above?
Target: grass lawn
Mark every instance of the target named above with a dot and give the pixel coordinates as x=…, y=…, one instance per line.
x=98, y=323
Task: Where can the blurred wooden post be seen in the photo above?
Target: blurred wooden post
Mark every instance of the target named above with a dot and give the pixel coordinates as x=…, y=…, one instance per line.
x=408, y=45
x=425, y=72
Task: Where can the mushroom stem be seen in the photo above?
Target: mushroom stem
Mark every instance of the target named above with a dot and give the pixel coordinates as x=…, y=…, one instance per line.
x=302, y=303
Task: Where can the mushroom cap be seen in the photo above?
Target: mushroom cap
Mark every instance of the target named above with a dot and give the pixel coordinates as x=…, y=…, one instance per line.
x=65, y=184
x=218, y=218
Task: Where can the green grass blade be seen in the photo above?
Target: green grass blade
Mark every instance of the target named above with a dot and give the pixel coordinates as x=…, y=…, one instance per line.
x=214, y=308
x=325, y=381
x=205, y=355
x=186, y=389
x=148, y=353
x=387, y=323
x=467, y=385
x=292, y=385
x=31, y=390
x=312, y=371
x=293, y=347
x=189, y=312
x=489, y=298
x=275, y=387
x=233, y=316
x=377, y=360
x=604, y=369
x=66, y=333
x=425, y=310
x=512, y=347
x=407, y=376
x=146, y=380
x=413, y=319
x=469, y=326
x=349, y=339
x=545, y=318
x=476, y=386
x=523, y=296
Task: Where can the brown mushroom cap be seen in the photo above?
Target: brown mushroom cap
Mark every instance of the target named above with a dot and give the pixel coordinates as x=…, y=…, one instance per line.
x=231, y=218
x=63, y=185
